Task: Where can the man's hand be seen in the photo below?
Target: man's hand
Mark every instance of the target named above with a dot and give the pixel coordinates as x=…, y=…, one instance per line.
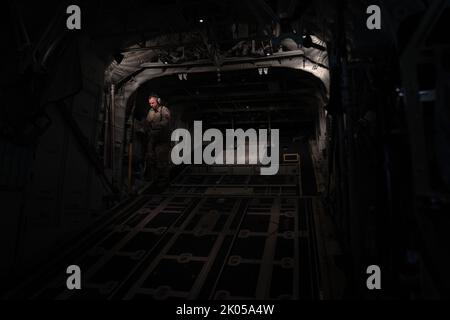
x=148, y=127
x=142, y=126
x=157, y=126
x=138, y=126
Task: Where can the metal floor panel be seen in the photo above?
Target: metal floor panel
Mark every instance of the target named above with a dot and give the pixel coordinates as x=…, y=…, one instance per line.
x=191, y=242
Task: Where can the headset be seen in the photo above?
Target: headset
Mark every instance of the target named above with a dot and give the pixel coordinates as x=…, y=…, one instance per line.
x=154, y=95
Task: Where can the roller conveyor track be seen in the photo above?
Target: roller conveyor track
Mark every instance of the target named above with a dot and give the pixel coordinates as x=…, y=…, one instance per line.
x=215, y=233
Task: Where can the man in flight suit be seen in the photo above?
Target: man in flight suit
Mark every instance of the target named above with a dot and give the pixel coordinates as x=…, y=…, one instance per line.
x=158, y=147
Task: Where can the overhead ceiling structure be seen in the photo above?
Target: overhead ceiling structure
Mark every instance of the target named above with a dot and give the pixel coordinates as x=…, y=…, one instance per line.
x=203, y=36
x=184, y=37
x=235, y=75
x=251, y=38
